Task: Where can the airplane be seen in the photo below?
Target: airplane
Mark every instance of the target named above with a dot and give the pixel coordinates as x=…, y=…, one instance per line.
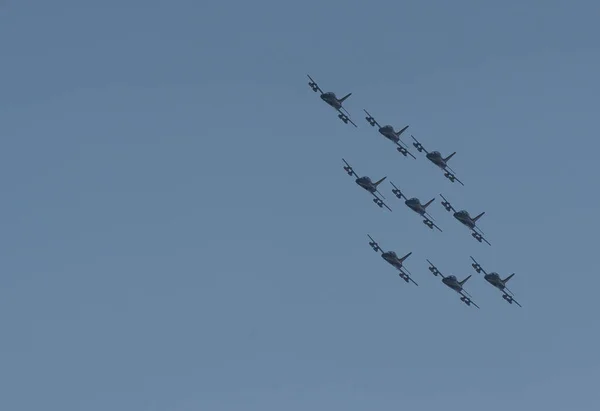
x=495, y=280
x=392, y=258
x=453, y=283
x=415, y=205
x=388, y=132
x=366, y=183
x=436, y=158
x=465, y=218
x=331, y=99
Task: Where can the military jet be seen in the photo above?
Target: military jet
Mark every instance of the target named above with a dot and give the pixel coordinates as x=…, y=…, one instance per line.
x=453, y=283
x=392, y=258
x=495, y=280
x=388, y=132
x=331, y=99
x=366, y=183
x=436, y=158
x=415, y=205
x=465, y=218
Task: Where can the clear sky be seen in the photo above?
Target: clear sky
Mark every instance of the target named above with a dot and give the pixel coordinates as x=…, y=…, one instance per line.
x=178, y=233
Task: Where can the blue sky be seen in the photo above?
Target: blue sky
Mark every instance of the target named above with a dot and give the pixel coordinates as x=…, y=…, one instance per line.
x=178, y=232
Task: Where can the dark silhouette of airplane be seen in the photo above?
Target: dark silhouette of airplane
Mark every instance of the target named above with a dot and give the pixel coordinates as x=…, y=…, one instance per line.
x=415, y=205
x=331, y=99
x=453, y=283
x=388, y=132
x=366, y=183
x=494, y=279
x=436, y=158
x=465, y=218
x=392, y=258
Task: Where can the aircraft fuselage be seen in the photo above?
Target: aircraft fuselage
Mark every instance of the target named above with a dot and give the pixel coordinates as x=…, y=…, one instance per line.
x=331, y=99
x=392, y=259
x=494, y=279
x=452, y=283
x=465, y=218
x=388, y=132
x=436, y=158
x=366, y=183
x=415, y=205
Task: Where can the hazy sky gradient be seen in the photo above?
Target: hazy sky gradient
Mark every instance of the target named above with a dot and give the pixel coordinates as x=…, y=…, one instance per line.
x=178, y=232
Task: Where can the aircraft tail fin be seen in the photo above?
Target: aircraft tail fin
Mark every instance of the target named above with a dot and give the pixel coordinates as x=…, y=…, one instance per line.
x=429, y=202
x=479, y=216
x=508, y=278
x=402, y=130
x=450, y=156
x=345, y=97
x=406, y=256
x=464, y=281
x=380, y=181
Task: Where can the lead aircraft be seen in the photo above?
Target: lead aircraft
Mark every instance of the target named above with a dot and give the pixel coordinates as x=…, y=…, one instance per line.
x=335, y=102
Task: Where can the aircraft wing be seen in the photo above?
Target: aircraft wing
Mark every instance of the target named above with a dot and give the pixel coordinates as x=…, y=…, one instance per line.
x=509, y=297
x=396, y=191
x=382, y=202
x=455, y=178
x=349, y=169
x=447, y=204
x=429, y=221
x=467, y=298
x=486, y=241
x=374, y=244
x=451, y=175
x=403, y=149
x=313, y=84
x=477, y=233
x=434, y=270
x=418, y=145
x=477, y=266
x=371, y=119
x=406, y=276
x=345, y=116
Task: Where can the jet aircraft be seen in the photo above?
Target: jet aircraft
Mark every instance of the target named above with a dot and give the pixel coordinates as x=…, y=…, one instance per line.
x=453, y=283
x=465, y=218
x=331, y=99
x=366, y=183
x=415, y=205
x=495, y=280
x=436, y=158
x=388, y=132
x=392, y=258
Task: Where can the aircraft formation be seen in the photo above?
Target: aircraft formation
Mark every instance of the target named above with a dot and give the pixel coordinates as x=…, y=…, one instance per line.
x=414, y=204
